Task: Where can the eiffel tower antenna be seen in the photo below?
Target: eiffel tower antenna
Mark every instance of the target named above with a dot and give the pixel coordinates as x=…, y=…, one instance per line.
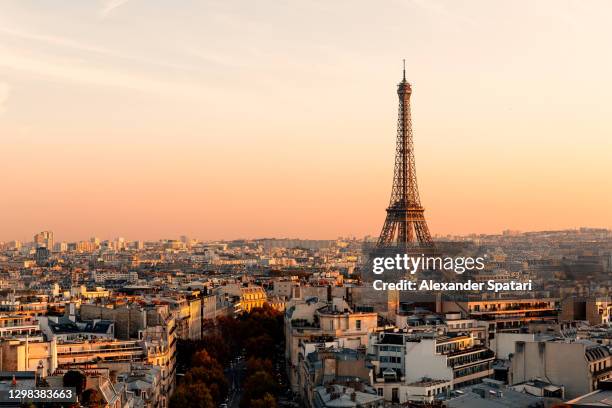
x=405, y=226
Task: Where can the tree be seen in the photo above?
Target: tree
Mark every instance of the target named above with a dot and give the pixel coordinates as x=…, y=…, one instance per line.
x=75, y=379
x=257, y=386
x=231, y=331
x=92, y=399
x=258, y=364
x=268, y=401
x=217, y=347
x=212, y=376
x=264, y=320
x=192, y=396
x=261, y=346
x=203, y=359
x=260, y=333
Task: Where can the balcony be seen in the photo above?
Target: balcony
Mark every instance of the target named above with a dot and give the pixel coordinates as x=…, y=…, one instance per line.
x=512, y=308
x=469, y=357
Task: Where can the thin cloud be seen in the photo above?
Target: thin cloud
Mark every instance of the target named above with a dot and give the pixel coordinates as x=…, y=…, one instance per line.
x=111, y=5
x=68, y=71
x=74, y=45
x=5, y=91
x=54, y=40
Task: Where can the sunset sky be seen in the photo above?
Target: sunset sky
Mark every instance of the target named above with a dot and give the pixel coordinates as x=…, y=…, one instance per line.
x=240, y=119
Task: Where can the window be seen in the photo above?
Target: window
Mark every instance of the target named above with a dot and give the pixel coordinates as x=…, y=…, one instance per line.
x=358, y=324
x=379, y=391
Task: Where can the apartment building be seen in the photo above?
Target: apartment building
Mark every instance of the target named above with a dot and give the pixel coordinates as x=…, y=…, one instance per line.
x=327, y=365
x=505, y=314
x=578, y=365
x=417, y=365
x=312, y=320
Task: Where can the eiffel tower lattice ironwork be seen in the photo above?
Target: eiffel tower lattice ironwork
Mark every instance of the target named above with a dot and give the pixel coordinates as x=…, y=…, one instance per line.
x=405, y=225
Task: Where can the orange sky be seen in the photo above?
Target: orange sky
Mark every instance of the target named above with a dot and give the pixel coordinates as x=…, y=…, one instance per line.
x=223, y=120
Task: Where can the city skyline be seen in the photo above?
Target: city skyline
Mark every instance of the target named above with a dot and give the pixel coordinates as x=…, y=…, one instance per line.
x=56, y=239
x=271, y=131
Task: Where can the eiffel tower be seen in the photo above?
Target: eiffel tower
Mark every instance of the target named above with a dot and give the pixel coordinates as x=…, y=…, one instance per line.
x=405, y=228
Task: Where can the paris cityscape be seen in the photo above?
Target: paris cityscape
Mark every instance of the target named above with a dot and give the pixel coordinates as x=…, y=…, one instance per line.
x=194, y=204
x=299, y=322
x=287, y=322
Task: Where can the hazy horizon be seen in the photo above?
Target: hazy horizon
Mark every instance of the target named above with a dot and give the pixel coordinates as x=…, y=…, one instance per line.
x=223, y=120
x=255, y=238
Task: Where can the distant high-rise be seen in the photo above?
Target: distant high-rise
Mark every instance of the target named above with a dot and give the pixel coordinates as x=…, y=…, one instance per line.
x=405, y=227
x=60, y=247
x=120, y=244
x=44, y=239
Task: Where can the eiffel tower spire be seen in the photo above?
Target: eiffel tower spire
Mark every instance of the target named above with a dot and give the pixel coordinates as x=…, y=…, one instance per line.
x=405, y=226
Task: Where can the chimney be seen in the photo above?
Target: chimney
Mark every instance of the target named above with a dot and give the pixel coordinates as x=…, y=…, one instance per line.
x=329, y=293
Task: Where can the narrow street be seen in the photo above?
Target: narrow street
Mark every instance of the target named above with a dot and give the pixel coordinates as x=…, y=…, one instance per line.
x=235, y=374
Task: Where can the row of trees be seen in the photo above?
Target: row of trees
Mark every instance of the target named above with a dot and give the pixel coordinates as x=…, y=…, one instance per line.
x=259, y=335
x=262, y=343
x=260, y=387
x=204, y=384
